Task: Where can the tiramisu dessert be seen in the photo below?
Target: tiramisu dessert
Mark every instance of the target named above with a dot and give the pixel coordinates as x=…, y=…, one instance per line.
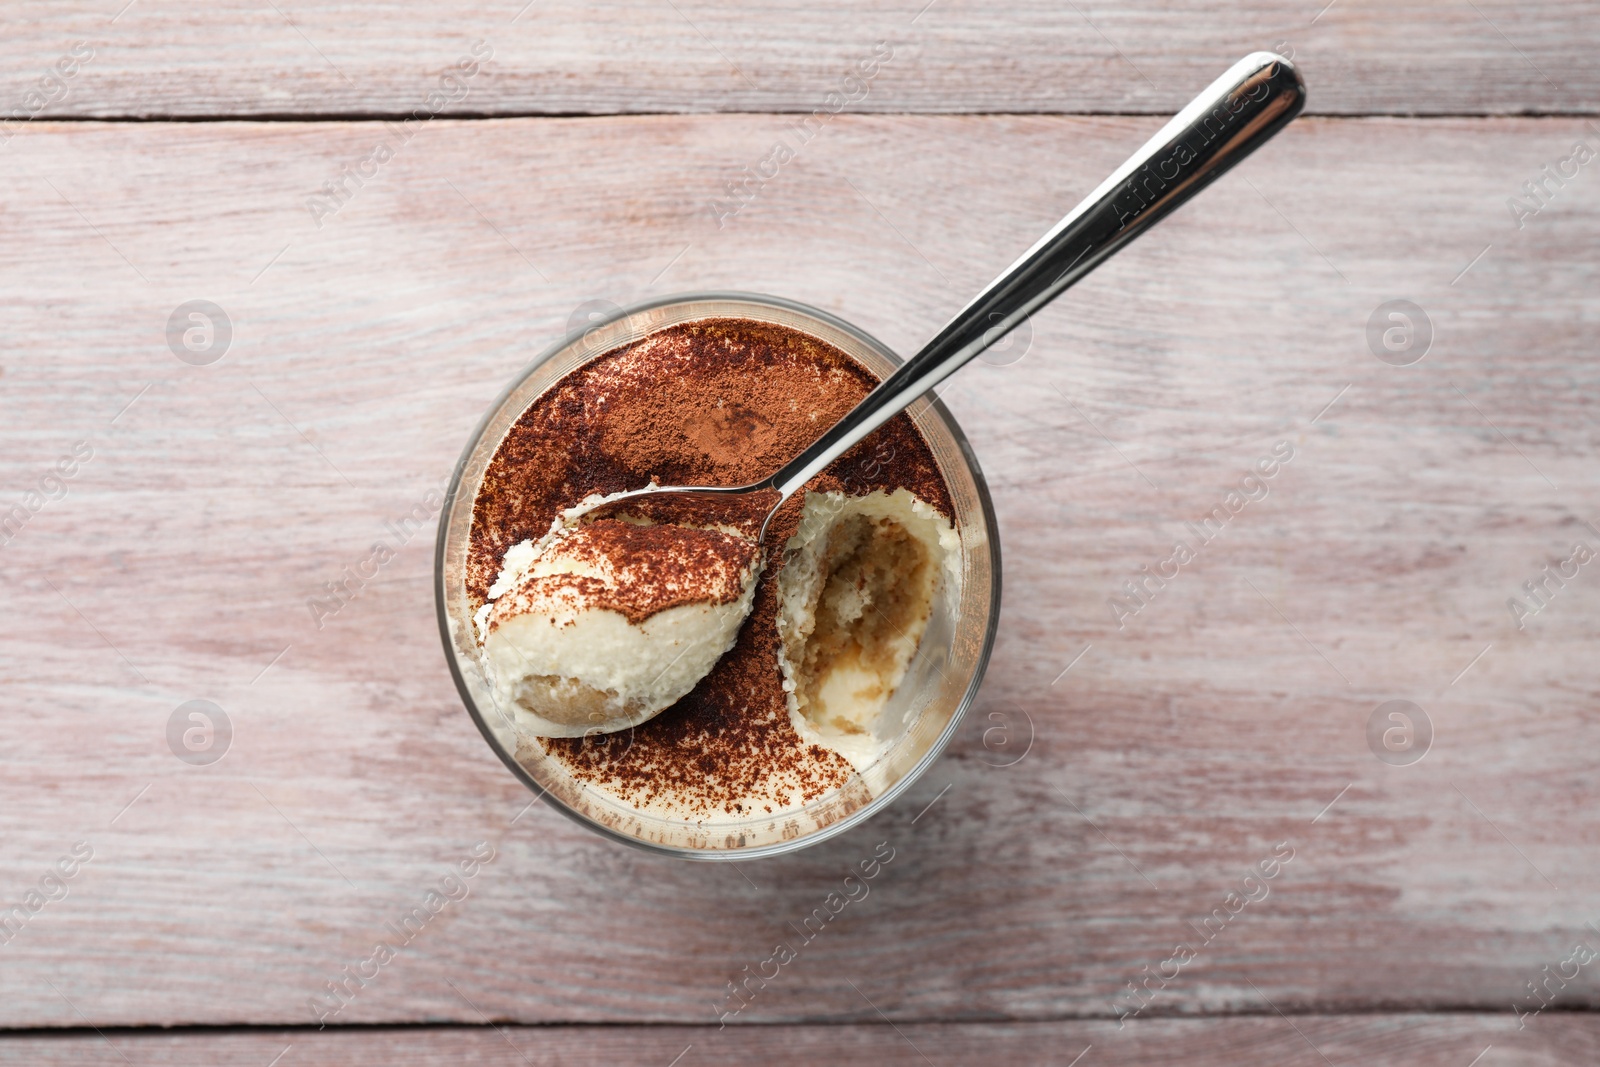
x=658, y=653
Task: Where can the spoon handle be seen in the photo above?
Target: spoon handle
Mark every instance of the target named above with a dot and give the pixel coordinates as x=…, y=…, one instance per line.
x=1236, y=114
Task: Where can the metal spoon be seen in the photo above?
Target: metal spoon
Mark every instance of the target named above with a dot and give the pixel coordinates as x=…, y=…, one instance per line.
x=1235, y=115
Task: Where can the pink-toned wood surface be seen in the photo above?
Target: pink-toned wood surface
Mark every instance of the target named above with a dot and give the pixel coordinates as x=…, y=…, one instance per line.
x=1293, y=1041
x=1091, y=831
x=298, y=57
x=1177, y=753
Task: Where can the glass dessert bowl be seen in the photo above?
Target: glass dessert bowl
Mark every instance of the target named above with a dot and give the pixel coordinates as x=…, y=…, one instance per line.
x=770, y=751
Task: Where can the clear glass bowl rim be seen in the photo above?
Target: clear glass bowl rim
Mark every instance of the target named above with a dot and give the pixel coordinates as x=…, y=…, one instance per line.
x=879, y=802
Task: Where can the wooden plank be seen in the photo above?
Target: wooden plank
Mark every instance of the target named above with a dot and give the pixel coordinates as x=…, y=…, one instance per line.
x=236, y=57
x=1413, y=1040
x=1228, y=716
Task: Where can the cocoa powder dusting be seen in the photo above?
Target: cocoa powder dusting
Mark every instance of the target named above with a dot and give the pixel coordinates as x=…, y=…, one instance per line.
x=712, y=402
x=650, y=569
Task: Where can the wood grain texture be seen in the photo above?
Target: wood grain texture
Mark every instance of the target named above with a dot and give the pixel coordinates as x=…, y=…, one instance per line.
x=1304, y=1041
x=1225, y=718
x=238, y=57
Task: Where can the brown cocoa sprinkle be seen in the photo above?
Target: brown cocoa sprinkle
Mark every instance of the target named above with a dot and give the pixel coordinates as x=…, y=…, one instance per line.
x=712, y=402
x=650, y=568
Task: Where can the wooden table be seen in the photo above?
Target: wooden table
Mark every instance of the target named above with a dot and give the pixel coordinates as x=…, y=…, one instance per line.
x=1081, y=880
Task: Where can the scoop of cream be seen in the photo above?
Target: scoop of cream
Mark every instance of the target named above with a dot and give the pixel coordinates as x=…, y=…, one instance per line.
x=600, y=627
